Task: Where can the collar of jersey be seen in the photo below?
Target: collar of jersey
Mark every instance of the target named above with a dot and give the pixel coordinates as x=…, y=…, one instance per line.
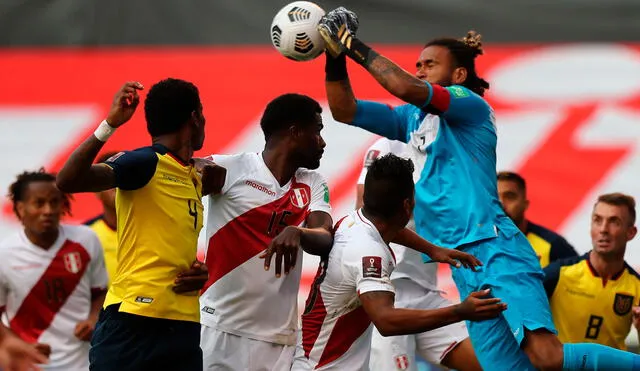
x=595, y=273
x=161, y=149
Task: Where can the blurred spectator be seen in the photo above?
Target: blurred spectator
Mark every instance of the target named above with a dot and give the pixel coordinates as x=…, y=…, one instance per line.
x=105, y=225
x=548, y=245
x=592, y=297
x=52, y=276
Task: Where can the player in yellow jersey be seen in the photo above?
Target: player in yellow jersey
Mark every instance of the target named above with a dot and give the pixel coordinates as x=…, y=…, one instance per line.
x=548, y=245
x=105, y=224
x=145, y=323
x=594, y=297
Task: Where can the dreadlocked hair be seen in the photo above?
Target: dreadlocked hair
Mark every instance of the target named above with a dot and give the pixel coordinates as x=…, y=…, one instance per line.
x=18, y=188
x=464, y=52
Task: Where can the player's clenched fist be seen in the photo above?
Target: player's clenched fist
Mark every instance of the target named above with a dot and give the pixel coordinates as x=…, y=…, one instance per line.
x=212, y=176
x=84, y=330
x=124, y=104
x=477, y=307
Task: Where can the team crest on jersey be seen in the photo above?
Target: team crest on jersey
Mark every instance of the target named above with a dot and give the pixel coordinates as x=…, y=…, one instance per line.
x=622, y=304
x=72, y=262
x=300, y=197
x=402, y=362
x=371, y=156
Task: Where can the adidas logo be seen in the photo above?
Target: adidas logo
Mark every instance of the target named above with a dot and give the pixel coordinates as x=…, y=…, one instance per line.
x=276, y=33
x=303, y=43
x=297, y=14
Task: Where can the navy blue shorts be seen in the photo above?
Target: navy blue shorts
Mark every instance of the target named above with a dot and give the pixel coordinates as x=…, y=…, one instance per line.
x=123, y=341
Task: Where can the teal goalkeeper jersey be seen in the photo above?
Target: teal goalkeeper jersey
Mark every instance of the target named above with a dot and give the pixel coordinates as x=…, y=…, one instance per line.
x=452, y=142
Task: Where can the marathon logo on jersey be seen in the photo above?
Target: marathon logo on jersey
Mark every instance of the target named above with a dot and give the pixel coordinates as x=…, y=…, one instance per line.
x=72, y=262
x=402, y=362
x=371, y=156
x=622, y=304
x=372, y=267
x=144, y=300
x=300, y=197
x=259, y=187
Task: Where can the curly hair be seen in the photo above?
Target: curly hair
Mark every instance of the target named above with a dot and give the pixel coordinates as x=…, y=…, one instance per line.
x=18, y=188
x=464, y=52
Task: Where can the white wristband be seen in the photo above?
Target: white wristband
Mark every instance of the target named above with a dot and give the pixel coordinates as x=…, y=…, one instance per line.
x=104, y=131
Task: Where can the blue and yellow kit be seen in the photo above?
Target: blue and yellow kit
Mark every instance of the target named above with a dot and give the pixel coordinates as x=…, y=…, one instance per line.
x=159, y=211
x=548, y=245
x=109, y=240
x=587, y=308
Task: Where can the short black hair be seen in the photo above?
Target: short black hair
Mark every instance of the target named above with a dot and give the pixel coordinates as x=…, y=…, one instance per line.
x=169, y=105
x=18, y=188
x=388, y=183
x=286, y=110
x=513, y=177
x=464, y=52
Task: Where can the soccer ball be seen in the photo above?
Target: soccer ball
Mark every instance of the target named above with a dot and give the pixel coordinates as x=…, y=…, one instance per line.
x=294, y=33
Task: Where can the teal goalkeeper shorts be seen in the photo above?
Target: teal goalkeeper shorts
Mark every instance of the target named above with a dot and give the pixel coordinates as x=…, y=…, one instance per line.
x=512, y=271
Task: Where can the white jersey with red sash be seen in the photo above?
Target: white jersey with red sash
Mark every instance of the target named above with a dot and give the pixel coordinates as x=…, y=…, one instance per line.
x=44, y=294
x=240, y=297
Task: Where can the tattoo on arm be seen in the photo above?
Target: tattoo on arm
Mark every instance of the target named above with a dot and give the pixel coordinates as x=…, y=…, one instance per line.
x=397, y=81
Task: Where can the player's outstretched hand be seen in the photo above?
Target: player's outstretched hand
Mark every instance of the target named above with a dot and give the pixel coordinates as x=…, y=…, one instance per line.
x=17, y=355
x=192, y=280
x=84, y=330
x=455, y=257
x=124, y=104
x=478, y=306
x=213, y=176
x=334, y=25
x=285, y=246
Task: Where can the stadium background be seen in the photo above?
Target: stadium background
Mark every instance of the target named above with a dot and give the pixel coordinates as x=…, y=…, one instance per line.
x=565, y=80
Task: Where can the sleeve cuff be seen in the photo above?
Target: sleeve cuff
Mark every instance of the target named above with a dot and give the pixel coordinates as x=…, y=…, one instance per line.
x=370, y=284
x=428, y=101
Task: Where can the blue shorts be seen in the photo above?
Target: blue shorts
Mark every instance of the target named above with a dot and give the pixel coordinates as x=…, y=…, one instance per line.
x=512, y=271
x=123, y=341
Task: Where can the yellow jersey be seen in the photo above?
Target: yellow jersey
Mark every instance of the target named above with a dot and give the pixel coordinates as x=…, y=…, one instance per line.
x=159, y=211
x=548, y=245
x=586, y=308
x=109, y=240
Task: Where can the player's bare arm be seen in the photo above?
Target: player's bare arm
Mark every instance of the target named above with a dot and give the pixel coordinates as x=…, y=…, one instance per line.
x=79, y=174
x=84, y=329
x=391, y=321
x=342, y=100
x=411, y=239
x=397, y=81
x=316, y=239
x=338, y=30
